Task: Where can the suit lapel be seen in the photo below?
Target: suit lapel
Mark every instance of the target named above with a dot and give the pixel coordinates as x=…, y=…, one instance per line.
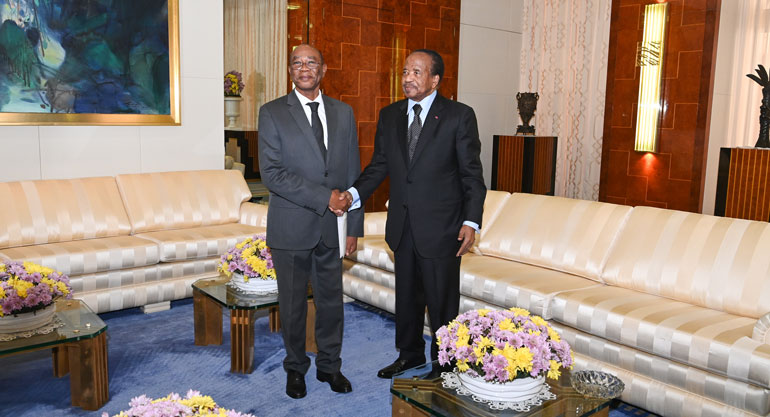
x=428, y=132
x=331, y=127
x=401, y=128
x=298, y=113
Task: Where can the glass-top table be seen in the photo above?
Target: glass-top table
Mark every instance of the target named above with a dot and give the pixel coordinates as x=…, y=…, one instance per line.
x=79, y=347
x=415, y=396
x=212, y=295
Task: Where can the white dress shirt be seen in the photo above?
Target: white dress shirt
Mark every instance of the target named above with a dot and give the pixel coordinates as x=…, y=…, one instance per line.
x=309, y=112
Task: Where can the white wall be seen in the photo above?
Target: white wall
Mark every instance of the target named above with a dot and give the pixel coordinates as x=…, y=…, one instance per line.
x=46, y=152
x=488, y=78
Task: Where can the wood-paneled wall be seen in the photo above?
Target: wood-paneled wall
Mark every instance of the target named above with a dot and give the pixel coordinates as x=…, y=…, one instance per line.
x=674, y=177
x=364, y=43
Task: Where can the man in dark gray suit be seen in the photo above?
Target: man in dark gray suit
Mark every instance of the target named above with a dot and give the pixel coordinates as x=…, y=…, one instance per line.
x=308, y=151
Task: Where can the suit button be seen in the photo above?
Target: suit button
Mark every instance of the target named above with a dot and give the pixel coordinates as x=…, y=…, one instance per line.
x=326, y=174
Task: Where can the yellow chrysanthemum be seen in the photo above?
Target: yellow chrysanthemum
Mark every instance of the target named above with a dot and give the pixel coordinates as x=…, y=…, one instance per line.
x=553, y=335
x=539, y=321
x=20, y=286
x=554, y=372
x=200, y=402
x=507, y=324
x=518, y=359
x=462, y=365
x=520, y=311
x=62, y=288
x=2, y=267
x=2, y=292
x=483, y=312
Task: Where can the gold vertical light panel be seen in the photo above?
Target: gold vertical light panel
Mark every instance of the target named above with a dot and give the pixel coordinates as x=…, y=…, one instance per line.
x=650, y=58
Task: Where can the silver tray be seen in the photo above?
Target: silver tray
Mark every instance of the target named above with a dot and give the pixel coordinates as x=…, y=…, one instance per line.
x=597, y=384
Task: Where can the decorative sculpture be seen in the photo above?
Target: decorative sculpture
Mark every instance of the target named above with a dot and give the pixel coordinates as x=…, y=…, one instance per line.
x=763, y=141
x=527, y=106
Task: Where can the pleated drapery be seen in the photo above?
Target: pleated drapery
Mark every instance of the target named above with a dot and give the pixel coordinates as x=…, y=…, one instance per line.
x=255, y=45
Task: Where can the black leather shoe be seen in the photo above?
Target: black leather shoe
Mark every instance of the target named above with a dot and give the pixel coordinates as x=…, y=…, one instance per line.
x=399, y=365
x=337, y=381
x=437, y=370
x=295, y=384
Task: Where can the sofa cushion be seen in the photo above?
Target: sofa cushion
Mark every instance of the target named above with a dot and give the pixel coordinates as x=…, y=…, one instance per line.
x=373, y=251
x=49, y=211
x=493, y=202
x=564, y=234
x=513, y=284
x=368, y=273
x=89, y=256
x=199, y=242
x=703, y=383
x=180, y=200
x=701, y=337
x=713, y=262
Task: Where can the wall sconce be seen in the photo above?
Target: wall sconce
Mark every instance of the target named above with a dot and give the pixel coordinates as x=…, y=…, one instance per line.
x=649, y=56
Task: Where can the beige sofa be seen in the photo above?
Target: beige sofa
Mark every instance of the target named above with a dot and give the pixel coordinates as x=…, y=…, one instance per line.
x=676, y=304
x=129, y=240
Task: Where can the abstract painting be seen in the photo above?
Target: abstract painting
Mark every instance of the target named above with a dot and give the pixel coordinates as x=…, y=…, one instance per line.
x=89, y=62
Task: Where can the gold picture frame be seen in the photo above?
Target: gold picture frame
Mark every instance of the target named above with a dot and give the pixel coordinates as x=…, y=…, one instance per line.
x=123, y=118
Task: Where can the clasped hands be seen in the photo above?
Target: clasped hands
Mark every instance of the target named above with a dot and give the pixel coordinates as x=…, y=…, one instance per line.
x=340, y=202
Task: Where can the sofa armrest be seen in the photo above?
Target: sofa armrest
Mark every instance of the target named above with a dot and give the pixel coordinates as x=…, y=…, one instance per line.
x=762, y=330
x=253, y=214
x=374, y=223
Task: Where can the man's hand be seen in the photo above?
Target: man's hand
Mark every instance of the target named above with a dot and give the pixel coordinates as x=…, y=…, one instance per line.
x=340, y=202
x=351, y=245
x=467, y=235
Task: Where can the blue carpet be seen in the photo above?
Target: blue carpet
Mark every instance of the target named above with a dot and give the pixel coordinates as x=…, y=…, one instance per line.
x=155, y=354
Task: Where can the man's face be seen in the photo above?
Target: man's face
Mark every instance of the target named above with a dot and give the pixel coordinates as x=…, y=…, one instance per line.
x=306, y=70
x=416, y=79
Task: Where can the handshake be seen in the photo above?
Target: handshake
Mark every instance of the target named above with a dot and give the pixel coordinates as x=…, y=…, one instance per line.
x=340, y=202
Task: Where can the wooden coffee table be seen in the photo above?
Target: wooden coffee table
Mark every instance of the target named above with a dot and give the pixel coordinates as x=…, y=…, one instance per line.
x=211, y=295
x=417, y=397
x=79, y=348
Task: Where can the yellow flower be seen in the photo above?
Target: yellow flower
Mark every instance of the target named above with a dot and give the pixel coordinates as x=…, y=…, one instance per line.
x=554, y=371
x=20, y=286
x=520, y=311
x=518, y=359
x=507, y=324
x=2, y=292
x=483, y=312
x=200, y=402
x=62, y=288
x=229, y=256
x=553, y=335
x=462, y=336
x=2, y=267
x=539, y=321
x=462, y=365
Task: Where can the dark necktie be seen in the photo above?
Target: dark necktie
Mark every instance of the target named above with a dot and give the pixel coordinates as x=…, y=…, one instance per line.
x=318, y=128
x=414, y=130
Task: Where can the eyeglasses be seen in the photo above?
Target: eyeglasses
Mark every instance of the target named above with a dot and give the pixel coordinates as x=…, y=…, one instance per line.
x=311, y=65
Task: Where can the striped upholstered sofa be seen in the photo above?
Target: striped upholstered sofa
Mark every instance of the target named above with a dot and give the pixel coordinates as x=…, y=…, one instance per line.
x=676, y=304
x=129, y=240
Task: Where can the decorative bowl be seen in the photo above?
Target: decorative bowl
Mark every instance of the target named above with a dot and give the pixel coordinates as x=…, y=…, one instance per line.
x=597, y=384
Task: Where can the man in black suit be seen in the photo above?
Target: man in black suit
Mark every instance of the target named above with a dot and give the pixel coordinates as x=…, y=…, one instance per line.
x=429, y=147
x=308, y=151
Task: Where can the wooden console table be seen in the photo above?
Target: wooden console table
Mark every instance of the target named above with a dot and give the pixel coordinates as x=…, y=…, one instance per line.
x=524, y=163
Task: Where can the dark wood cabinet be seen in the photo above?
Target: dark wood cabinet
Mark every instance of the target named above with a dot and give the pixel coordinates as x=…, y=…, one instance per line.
x=524, y=164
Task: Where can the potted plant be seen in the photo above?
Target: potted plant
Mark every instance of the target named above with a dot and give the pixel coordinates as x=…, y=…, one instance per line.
x=250, y=266
x=503, y=355
x=233, y=88
x=192, y=405
x=27, y=295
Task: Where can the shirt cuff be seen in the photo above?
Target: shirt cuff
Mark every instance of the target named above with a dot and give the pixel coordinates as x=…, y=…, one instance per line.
x=356, y=198
x=474, y=225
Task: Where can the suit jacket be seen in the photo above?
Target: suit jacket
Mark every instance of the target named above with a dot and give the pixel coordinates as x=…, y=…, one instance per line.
x=441, y=187
x=299, y=179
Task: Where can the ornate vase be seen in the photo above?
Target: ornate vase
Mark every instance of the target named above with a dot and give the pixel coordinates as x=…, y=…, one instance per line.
x=14, y=323
x=232, y=111
x=520, y=389
x=527, y=104
x=254, y=285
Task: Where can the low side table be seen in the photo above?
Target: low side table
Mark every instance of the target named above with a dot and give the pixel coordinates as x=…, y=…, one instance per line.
x=414, y=396
x=210, y=295
x=79, y=348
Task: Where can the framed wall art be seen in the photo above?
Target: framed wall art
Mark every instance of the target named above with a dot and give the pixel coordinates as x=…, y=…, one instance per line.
x=98, y=62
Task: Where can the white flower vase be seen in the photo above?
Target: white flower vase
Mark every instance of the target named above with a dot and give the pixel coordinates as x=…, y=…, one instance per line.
x=232, y=111
x=254, y=285
x=520, y=389
x=14, y=323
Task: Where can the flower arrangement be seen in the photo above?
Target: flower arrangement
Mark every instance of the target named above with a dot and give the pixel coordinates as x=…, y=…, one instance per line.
x=193, y=405
x=500, y=346
x=233, y=84
x=251, y=258
x=26, y=287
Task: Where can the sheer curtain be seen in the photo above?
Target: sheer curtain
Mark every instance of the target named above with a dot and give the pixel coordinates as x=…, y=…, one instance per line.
x=255, y=45
x=564, y=59
x=751, y=46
